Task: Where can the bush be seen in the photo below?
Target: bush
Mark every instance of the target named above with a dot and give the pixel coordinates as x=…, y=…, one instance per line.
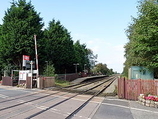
x=49, y=71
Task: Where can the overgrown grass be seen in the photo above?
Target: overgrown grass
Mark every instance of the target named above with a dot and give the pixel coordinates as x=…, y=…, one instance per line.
x=116, y=90
x=124, y=76
x=61, y=83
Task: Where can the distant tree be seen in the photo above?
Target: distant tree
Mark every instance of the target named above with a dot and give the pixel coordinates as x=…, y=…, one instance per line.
x=110, y=72
x=20, y=23
x=101, y=69
x=92, y=58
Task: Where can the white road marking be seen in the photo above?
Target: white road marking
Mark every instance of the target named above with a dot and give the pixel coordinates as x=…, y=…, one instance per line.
x=118, y=100
x=143, y=110
x=83, y=100
x=3, y=96
x=42, y=107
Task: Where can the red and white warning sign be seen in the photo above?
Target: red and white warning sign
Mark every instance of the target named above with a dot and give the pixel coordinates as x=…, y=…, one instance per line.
x=26, y=57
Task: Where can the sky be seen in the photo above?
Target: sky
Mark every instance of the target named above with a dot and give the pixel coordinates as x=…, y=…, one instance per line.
x=100, y=24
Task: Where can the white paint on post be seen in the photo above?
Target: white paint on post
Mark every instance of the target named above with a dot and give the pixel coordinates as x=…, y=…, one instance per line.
x=36, y=55
x=31, y=72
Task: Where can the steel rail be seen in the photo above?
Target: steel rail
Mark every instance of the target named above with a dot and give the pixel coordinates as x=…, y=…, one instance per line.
x=98, y=84
x=22, y=96
x=80, y=85
x=48, y=108
x=35, y=105
x=84, y=104
x=85, y=83
x=27, y=101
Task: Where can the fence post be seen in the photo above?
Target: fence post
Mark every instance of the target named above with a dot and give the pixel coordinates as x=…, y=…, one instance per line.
x=139, y=87
x=124, y=88
x=121, y=88
x=118, y=88
x=43, y=82
x=156, y=83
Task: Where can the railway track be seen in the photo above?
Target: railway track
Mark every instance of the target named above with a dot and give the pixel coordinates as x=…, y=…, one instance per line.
x=30, y=103
x=96, y=94
x=24, y=102
x=86, y=82
x=89, y=87
x=84, y=104
x=18, y=97
x=53, y=100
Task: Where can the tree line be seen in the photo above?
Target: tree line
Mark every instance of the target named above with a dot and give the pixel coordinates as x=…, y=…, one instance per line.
x=142, y=47
x=55, y=45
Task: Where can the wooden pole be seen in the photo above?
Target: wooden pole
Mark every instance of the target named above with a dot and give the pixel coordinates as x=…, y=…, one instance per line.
x=36, y=56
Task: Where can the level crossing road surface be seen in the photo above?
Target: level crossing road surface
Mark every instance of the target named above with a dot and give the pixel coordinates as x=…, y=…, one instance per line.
x=28, y=102
x=114, y=108
x=19, y=103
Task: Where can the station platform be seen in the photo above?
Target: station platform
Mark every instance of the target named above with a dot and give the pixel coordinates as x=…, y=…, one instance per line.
x=79, y=80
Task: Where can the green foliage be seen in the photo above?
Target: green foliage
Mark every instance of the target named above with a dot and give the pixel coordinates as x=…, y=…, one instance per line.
x=61, y=83
x=91, y=58
x=55, y=43
x=110, y=72
x=20, y=23
x=49, y=70
x=58, y=47
x=102, y=69
x=142, y=50
x=81, y=55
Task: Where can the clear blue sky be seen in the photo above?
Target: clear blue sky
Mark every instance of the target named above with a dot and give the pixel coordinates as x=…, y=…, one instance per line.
x=100, y=24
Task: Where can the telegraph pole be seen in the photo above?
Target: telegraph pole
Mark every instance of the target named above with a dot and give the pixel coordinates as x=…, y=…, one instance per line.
x=76, y=66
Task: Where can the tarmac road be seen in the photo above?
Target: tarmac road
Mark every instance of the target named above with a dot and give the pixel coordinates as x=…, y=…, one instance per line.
x=100, y=108
x=113, y=108
x=19, y=103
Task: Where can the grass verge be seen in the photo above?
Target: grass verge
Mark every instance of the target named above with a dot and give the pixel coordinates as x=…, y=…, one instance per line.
x=61, y=83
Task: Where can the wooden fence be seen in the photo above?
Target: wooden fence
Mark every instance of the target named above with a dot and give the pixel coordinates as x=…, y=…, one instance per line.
x=131, y=89
x=68, y=77
x=7, y=81
x=46, y=82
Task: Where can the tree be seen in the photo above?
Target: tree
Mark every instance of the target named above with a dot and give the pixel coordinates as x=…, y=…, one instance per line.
x=102, y=69
x=142, y=47
x=58, y=47
x=20, y=23
x=81, y=55
x=1, y=67
x=55, y=44
x=110, y=72
x=92, y=58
